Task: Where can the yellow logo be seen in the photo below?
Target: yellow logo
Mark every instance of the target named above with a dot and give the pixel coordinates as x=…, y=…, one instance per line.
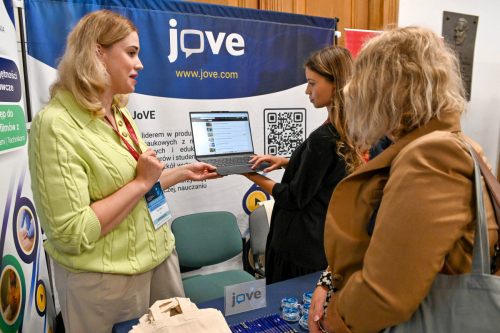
x=41, y=298
x=254, y=198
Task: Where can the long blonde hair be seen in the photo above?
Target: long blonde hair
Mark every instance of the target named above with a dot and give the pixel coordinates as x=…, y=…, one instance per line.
x=402, y=79
x=335, y=64
x=80, y=71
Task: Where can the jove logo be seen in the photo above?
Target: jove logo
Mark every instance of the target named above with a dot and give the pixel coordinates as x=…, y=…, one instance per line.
x=235, y=44
x=246, y=296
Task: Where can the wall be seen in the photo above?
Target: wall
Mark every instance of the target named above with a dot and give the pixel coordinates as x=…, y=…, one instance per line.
x=353, y=14
x=482, y=122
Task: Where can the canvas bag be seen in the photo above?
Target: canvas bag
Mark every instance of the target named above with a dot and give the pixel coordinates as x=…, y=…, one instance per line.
x=180, y=315
x=462, y=303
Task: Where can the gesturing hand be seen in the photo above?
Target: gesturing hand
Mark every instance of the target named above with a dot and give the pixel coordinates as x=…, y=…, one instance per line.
x=200, y=171
x=316, y=311
x=149, y=168
x=275, y=161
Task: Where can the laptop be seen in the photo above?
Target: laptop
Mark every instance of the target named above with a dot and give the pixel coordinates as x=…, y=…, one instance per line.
x=223, y=139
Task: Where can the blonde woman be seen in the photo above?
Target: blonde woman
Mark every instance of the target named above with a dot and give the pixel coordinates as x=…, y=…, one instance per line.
x=295, y=241
x=399, y=220
x=90, y=171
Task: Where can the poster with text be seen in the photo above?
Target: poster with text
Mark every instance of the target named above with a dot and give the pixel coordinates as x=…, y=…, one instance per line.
x=25, y=294
x=202, y=58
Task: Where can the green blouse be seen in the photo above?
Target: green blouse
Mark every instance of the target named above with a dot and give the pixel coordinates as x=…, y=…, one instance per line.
x=74, y=161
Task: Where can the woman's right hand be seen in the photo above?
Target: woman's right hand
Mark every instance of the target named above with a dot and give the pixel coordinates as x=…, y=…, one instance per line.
x=275, y=161
x=316, y=311
x=149, y=169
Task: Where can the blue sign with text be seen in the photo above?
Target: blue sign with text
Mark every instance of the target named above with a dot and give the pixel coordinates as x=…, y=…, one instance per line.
x=195, y=51
x=10, y=81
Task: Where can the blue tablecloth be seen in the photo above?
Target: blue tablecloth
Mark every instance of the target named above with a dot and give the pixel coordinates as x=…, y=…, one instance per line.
x=275, y=293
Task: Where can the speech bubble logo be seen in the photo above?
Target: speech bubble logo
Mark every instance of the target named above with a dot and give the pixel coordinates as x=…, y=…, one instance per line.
x=190, y=51
x=240, y=298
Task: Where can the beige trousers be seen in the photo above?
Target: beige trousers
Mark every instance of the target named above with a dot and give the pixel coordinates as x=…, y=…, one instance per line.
x=94, y=302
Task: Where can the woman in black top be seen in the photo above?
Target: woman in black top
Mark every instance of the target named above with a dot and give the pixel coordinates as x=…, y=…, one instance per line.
x=295, y=241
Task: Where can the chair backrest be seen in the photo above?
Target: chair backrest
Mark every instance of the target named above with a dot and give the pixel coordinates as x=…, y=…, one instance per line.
x=205, y=239
x=259, y=228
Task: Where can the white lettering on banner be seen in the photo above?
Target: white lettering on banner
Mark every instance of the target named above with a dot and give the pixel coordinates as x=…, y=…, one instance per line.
x=9, y=127
x=191, y=51
x=230, y=44
x=11, y=75
x=6, y=87
x=232, y=41
x=173, y=41
x=215, y=44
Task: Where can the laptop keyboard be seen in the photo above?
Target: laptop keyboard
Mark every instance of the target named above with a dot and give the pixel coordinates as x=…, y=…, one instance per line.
x=227, y=161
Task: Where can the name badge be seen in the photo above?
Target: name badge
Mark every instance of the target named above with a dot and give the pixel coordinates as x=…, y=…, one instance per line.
x=157, y=205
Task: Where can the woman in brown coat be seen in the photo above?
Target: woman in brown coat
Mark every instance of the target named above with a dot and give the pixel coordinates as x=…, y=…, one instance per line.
x=393, y=224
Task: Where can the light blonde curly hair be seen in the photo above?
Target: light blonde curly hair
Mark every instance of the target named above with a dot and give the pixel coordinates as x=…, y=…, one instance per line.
x=402, y=79
x=80, y=70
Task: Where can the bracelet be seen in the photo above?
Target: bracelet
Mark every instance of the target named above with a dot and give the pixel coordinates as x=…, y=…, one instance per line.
x=325, y=280
x=321, y=328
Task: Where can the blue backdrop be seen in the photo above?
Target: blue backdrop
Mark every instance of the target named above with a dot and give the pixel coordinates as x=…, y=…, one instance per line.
x=268, y=48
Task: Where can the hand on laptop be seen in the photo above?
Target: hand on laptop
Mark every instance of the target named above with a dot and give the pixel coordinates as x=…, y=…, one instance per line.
x=275, y=161
x=200, y=171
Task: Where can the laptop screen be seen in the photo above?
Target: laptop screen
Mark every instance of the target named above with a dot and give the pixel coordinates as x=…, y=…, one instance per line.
x=221, y=133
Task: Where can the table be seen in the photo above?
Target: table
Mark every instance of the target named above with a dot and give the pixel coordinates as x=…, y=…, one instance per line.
x=275, y=293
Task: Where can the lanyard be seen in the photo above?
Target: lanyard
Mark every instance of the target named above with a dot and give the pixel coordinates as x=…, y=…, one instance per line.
x=131, y=131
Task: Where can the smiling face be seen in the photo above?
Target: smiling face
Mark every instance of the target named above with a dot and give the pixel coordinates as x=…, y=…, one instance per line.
x=319, y=89
x=122, y=63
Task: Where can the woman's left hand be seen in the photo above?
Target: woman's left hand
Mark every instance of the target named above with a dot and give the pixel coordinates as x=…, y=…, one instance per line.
x=200, y=171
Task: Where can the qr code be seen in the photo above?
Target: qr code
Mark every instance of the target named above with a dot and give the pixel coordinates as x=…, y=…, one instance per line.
x=284, y=131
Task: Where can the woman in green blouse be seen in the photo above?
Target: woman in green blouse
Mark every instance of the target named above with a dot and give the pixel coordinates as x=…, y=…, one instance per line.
x=90, y=171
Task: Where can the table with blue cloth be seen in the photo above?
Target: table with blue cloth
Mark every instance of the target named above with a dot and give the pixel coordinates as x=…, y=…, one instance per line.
x=275, y=293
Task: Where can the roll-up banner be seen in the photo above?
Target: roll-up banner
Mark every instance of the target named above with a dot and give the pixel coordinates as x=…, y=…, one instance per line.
x=25, y=294
x=200, y=57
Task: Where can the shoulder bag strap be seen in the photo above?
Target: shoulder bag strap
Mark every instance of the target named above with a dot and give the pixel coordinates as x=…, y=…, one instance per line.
x=493, y=187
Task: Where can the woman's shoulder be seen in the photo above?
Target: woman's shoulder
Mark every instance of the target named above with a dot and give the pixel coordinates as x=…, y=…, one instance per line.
x=323, y=132
x=55, y=120
x=323, y=136
x=49, y=114
x=436, y=140
x=439, y=149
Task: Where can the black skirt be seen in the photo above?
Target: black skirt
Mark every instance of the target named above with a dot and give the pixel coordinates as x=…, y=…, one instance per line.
x=279, y=269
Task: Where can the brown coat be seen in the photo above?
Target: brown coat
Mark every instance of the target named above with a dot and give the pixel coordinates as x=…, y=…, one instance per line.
x=427, y=214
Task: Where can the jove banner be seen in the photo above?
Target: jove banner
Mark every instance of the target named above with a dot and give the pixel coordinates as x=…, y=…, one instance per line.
x=200, y=57
x=25, y=294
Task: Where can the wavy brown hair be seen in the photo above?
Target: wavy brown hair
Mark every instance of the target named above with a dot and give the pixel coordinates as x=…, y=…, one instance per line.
x=335, y=64
x=80, y=70
x=402, y=79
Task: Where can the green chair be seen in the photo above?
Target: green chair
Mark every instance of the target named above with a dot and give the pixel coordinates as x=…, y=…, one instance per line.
x=205, y=239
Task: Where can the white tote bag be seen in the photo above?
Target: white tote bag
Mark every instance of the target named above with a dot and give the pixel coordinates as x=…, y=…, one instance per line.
x=179, y=315
x=466, y=303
